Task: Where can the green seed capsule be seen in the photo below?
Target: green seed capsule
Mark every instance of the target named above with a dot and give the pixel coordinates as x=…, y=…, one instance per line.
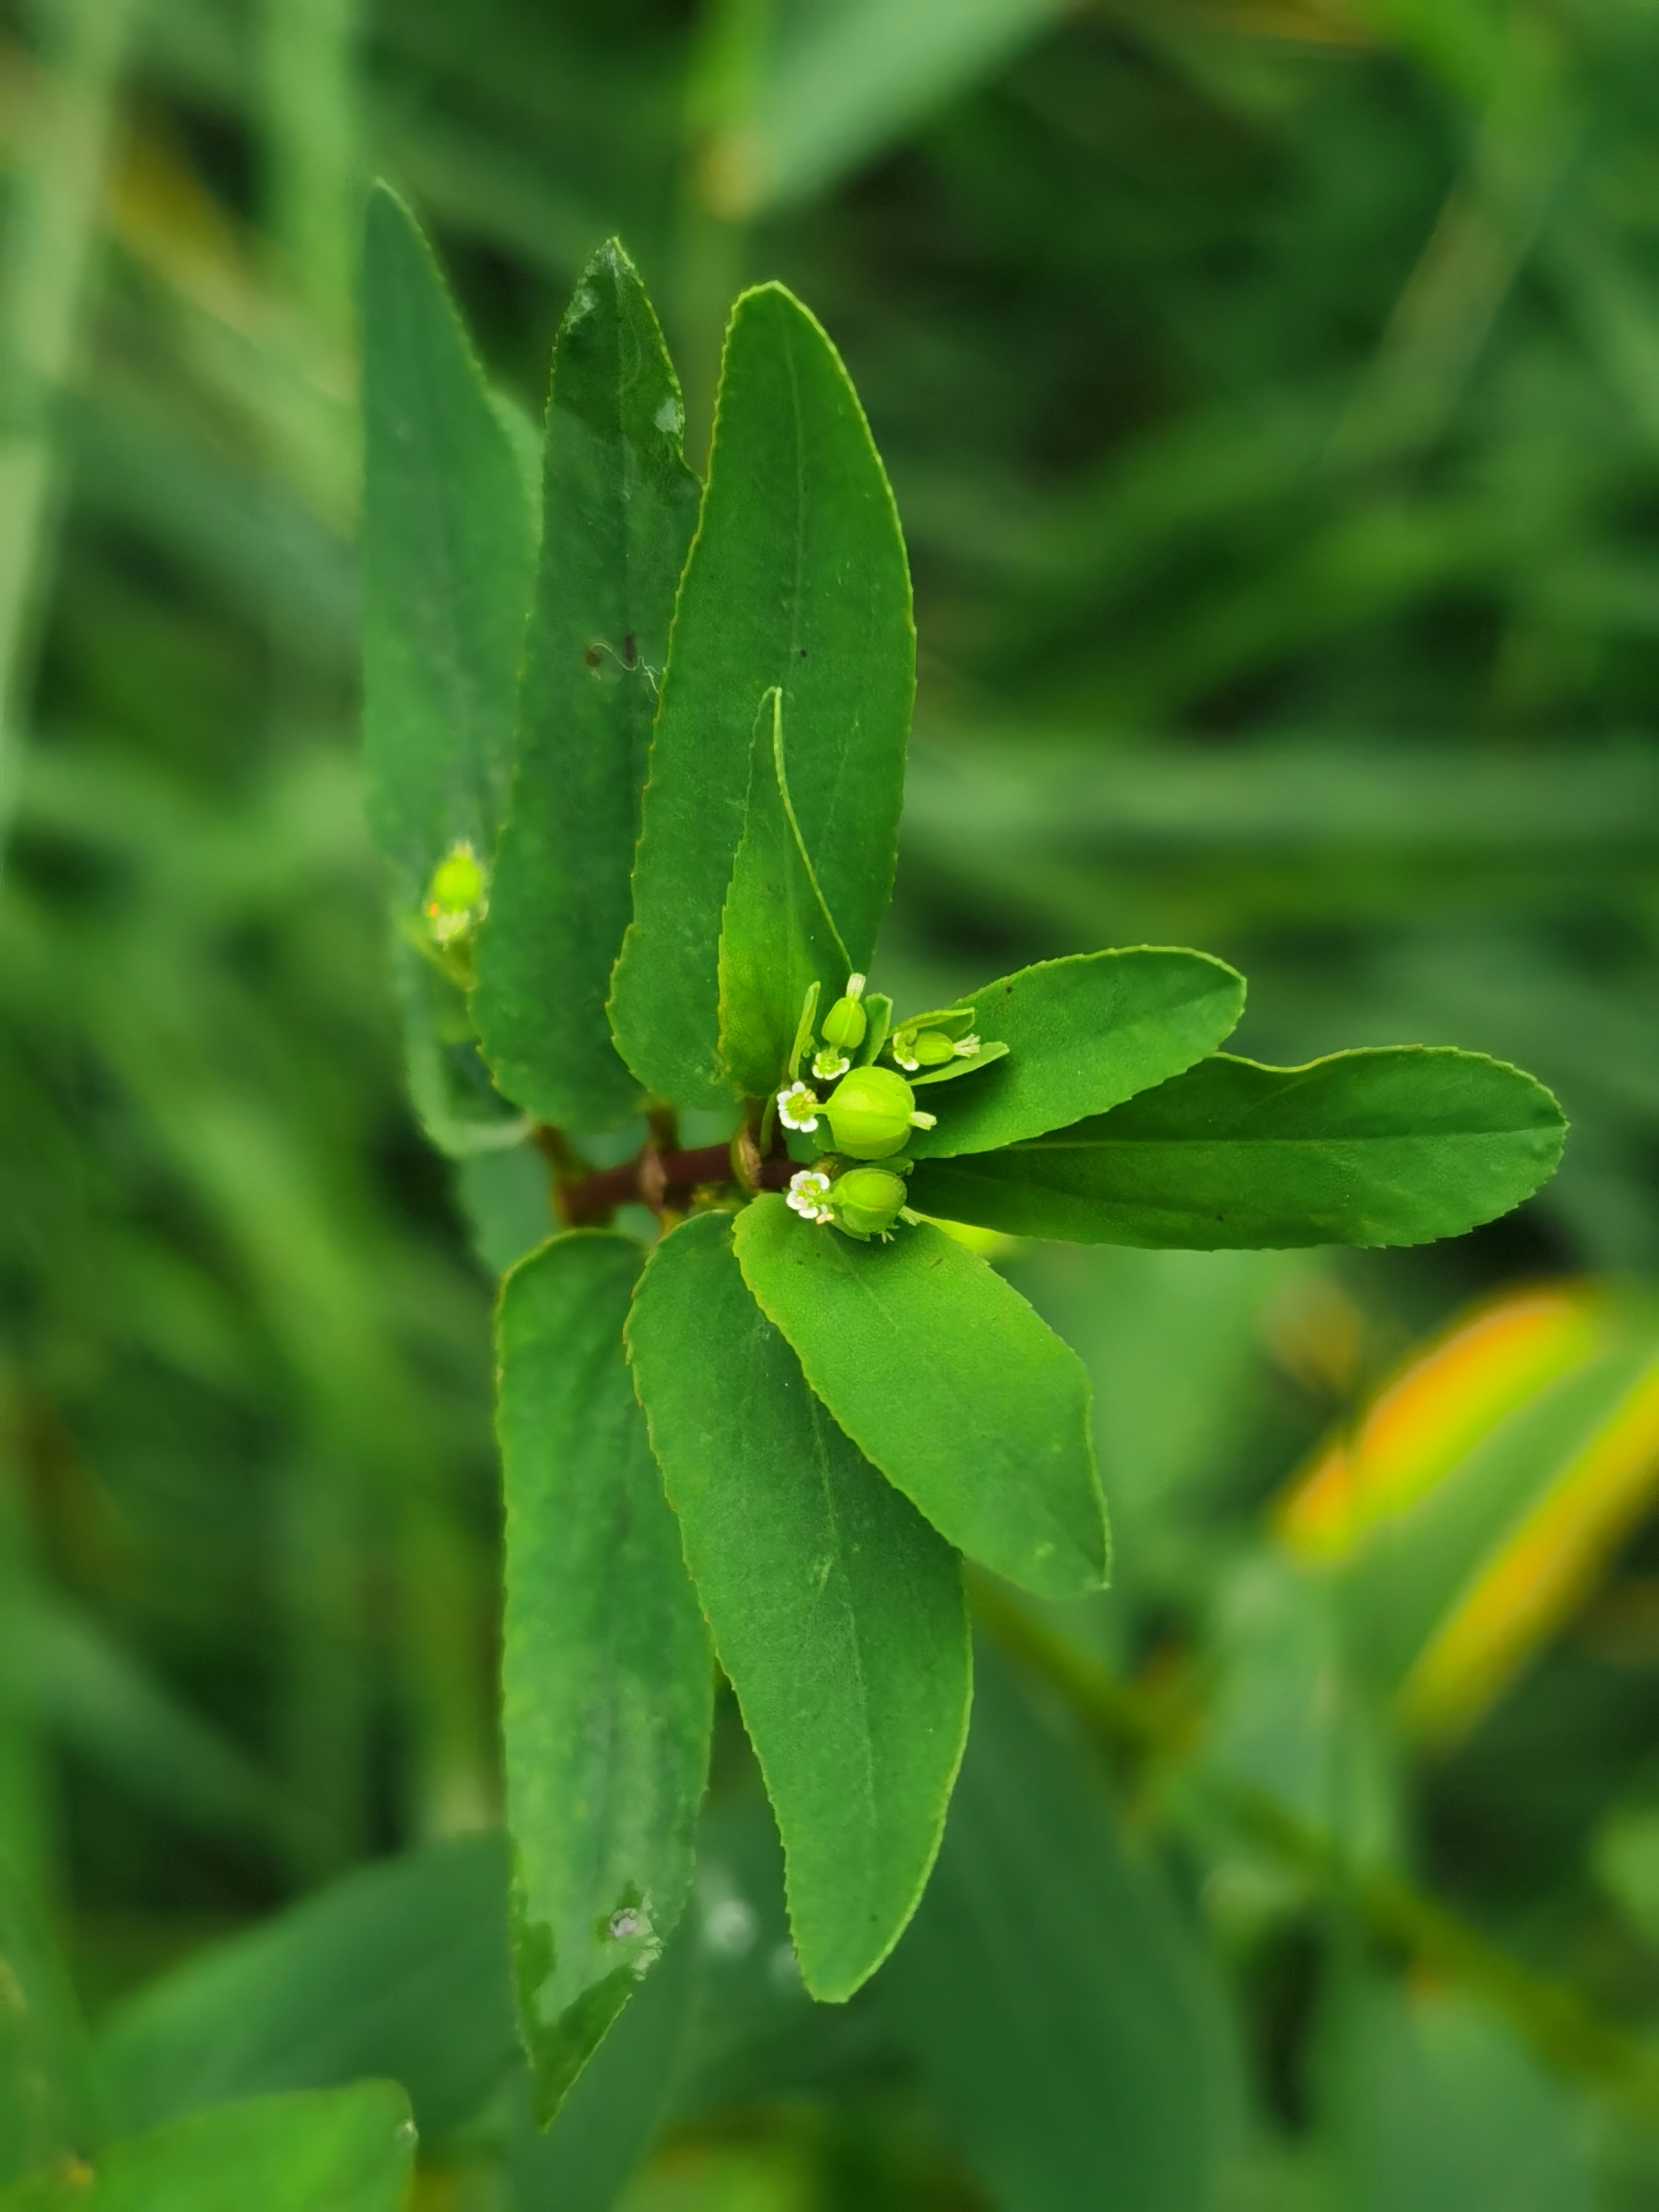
x=845, y=1023
x=871, y=1113
x=867, y=1201
x=931, y=1039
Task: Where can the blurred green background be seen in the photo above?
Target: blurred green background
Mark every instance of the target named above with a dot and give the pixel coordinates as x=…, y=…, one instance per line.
x=1271, y=391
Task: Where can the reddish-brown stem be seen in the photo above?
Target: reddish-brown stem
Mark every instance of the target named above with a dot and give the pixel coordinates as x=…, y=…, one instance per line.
x=659, y=1179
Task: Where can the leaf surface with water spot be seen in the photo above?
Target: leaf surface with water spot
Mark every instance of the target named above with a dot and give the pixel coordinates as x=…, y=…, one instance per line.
x=607, y=1685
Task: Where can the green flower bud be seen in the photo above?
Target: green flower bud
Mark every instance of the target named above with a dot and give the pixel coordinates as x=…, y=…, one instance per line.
x=932, y=1048
x=455, y=905
x=872, y=1111
x=458, y=882
x=845, y=1023
x=866, y=1201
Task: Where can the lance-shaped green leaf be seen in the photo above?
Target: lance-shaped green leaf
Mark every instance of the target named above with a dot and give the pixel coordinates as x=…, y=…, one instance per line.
x=48, y=2111
x=606, y=1677
x=449, y=540
x=837, y=1612
x=1082, y=1035
x=797, y=578
x=1394, y=1147
x=619, y=506
x=777, y=939
x=448, y=553
x=334, y=2150
x=943, y=1375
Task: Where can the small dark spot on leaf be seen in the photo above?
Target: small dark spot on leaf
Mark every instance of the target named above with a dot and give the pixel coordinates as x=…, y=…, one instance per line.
x=803, y=652
x=631, y=651
x=593, y=656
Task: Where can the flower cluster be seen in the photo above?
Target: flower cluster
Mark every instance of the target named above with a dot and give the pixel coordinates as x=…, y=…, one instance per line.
x=457, y=900
x=864, y=1201
x=870, y=1109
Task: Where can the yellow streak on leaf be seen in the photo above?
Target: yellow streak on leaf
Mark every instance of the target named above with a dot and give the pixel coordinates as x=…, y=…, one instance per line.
x=1427, y=1420
x=1552, y=1559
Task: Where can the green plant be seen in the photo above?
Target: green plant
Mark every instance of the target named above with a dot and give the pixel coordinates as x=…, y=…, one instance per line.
x=639, y=884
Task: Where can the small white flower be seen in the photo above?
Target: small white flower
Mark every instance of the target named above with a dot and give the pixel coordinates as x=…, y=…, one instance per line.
x=828, y=1065
x=799, y=1106
x=967, y=1048
x=906, y=1060
x=447, y=928
x=808, y=1191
